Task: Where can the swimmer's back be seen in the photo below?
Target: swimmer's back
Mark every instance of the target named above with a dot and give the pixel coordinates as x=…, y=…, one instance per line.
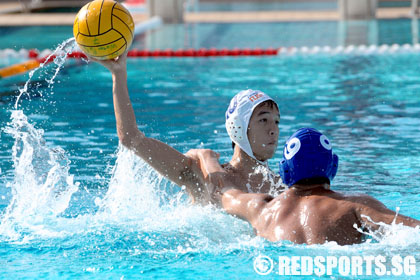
x=312, y=218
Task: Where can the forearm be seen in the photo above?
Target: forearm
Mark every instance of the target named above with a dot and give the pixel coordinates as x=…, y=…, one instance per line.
x=407, y=221
x=124, y=114
x=162, y=157
x=372, y=217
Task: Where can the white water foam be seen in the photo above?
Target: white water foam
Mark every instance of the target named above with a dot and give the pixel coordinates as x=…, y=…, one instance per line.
x=134, y=196
x=42, y=185
x=276, y=184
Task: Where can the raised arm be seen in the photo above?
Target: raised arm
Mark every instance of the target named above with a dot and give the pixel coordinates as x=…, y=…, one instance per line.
x=172, y=164
x=371, y=212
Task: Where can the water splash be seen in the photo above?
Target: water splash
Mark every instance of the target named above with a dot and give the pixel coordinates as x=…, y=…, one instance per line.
x=395, y=234
x=126, y=196
x=276, y=184
x=139, y=197
x=60, y=54
x=42, y=186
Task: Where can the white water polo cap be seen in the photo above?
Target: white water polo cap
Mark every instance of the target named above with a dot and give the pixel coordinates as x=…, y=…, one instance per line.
x=238, y=115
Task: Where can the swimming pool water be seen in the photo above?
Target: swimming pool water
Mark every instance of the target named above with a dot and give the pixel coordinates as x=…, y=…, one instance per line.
x=91, y=211
x=81, y=208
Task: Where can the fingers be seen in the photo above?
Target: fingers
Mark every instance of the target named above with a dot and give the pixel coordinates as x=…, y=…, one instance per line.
x=115, y=65
x=105, y=63
x=192, y=154
x=123, y=55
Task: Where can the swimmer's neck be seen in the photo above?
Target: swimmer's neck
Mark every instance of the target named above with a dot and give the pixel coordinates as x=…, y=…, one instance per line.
x=309, y=189
x=241, y=162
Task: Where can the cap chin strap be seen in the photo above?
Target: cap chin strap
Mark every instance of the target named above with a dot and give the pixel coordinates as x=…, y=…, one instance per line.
x=251, y=154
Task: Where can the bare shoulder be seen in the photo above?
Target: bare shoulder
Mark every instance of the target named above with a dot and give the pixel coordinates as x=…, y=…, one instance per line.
x=366, y=200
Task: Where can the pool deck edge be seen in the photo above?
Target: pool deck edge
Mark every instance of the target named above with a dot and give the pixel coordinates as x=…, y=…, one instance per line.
x=36, y=19
x=54, y=19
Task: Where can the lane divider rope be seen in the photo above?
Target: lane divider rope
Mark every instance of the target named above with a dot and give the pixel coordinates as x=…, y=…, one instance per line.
x=37, y=57
x=362, y=49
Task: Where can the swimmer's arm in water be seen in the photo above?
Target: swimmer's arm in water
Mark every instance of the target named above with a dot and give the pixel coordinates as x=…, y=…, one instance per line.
x=371, y=211
x=172, y=164
x=247, y=206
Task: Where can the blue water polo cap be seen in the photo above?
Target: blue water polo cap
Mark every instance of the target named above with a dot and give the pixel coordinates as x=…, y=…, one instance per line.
x=307, y=154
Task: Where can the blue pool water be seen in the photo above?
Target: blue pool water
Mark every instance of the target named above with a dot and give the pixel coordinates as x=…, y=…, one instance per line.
x=74, y=205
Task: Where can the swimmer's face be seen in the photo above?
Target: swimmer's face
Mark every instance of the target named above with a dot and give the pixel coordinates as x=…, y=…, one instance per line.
x=263, y=131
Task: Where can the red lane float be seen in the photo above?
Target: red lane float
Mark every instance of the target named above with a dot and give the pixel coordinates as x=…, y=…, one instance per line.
x=202, y=52
x=35, y=61
x=183, y=53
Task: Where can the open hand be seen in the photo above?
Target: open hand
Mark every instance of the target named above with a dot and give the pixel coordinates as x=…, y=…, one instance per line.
x=114, y=65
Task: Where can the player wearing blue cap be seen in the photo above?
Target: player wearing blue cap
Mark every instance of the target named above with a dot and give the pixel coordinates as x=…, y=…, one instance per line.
x=308, y=211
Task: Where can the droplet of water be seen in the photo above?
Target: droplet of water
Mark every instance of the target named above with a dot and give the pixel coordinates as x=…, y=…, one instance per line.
x=60, y=58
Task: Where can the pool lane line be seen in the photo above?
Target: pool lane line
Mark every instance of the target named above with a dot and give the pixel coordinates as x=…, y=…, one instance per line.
x=183, y=52
x=351, y=49
x=20, y=68
x=35, y=61
x=203, y=52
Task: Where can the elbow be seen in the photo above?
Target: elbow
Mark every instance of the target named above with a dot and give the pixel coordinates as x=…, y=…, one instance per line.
x=125, y=139
x=129, y=140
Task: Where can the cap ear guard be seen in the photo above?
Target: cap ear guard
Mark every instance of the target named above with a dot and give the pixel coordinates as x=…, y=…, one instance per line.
x=334, y=167
x=285, y=172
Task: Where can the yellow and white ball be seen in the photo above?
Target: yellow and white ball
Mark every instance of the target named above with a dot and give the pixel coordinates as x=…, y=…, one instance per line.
x=103, y=29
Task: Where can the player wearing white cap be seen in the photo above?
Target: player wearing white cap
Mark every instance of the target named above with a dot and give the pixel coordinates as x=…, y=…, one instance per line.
x=252, y=123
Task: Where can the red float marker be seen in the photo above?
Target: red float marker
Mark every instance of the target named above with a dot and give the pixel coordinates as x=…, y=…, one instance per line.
x=35, y=60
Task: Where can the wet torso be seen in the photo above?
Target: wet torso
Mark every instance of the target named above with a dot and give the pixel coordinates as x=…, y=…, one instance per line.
x=263, y=180
x=312, y=218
